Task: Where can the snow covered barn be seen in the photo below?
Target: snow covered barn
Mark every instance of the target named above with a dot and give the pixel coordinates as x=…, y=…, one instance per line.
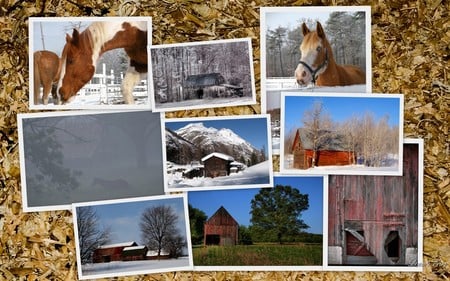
x=373, y=220
x=204, y=85
x=112, y=252
x=217, y=164
x=334, y=154
x=221, y=229
x=134, y=253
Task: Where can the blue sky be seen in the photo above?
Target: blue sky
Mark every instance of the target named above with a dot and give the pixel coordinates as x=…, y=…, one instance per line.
x=124, y=218
x=253, y=130
x=342, y=108
x=237, y=201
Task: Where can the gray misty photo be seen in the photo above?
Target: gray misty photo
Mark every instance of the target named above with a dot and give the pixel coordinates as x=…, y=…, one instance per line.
x=78, y=158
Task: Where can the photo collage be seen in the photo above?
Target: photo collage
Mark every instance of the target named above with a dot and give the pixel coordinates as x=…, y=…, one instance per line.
x=152, y=194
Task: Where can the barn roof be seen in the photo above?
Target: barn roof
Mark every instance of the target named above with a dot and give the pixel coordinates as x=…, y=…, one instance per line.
x=303, y=135
x=124, y=244
x=204, y=80
x=222, y=212
x=152, y=253
x=218, y=155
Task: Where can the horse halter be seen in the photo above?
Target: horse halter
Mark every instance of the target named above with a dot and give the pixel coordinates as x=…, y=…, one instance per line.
x=314, y=72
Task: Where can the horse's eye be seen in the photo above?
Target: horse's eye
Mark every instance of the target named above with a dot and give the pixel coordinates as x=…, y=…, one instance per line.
x=319, y=48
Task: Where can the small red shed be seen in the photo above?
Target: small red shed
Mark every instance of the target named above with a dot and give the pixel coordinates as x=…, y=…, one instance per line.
x=134, y=253
x=221, y=229
x=217, y=164
x=334, y=154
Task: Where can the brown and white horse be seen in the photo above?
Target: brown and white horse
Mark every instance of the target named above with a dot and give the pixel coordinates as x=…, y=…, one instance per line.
x=317, y=64
x=45, y=72
x=82, y=50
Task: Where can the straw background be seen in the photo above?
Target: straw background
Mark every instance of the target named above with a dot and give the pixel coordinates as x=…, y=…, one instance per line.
x=410, y=55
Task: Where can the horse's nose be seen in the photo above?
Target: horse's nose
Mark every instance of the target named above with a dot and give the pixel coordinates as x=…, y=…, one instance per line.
x=303, y=73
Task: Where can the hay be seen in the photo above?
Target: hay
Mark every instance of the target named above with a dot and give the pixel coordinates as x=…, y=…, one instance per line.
x=410, y=54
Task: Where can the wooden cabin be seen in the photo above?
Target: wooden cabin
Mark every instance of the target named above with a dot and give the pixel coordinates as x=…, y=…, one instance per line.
x=112, y=252
x=134, y=253
x=334, y=154
x=217, y=164
x=373, y=220
x=206, y=85
x=221, y=229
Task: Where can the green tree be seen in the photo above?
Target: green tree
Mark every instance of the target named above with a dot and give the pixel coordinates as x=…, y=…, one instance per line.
x=245, y=237
x=276, y=212
x=197, y=219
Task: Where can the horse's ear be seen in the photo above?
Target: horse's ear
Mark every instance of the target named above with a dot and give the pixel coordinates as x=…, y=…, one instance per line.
x=320, y=30
x=305, y=29
x=68, y=38
x=75, y=37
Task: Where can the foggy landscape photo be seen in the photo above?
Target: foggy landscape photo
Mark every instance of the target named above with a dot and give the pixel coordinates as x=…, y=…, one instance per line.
x=202, y=74
x=341, y=133
x=217, y=153
x=82, y=156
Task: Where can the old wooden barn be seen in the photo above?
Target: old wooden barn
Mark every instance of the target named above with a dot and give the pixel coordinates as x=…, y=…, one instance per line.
x=134, y=253
x=373, y=220
x=217, y=164
x=204, y=85
x=221, y=229
x=112, y=252
x=333, y=154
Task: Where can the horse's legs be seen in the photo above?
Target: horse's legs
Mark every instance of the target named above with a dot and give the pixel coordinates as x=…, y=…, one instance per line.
x=128, y=83
x=36, y=81
x=47, y=90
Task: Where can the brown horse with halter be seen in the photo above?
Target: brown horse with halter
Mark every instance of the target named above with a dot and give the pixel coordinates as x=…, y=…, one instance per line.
x=318, y=66
x=82, y=50
x=46, y=68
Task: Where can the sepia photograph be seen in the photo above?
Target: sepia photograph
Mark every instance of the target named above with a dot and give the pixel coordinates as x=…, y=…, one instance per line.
x=375, y=222
x=217, y=152
x=202, y=75
x=134, y=236
x=313, y=49
x=79, y=156
x=334, y=133
x=279, y=228
x=89, y=62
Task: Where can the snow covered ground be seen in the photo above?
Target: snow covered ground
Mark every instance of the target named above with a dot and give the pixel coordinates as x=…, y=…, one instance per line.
x=259, y=175
x=121, y=268
x=203, y=103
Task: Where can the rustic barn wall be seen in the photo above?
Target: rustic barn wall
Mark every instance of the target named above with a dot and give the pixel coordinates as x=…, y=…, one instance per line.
x=410, y=53
x=223, y=226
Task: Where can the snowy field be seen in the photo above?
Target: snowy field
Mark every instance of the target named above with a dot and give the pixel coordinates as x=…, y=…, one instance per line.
x=255, y=175
x=97, y=100
x=121, y=268
x=203, y=103
x=277, y=84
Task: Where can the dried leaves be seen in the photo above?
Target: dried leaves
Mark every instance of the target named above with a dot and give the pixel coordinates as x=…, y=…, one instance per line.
x=410, y=55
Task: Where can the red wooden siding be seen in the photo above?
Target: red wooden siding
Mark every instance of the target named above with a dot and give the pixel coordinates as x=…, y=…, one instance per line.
x=221, y=228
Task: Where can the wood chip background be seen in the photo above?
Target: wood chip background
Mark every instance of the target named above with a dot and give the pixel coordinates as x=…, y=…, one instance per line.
x=410, y=55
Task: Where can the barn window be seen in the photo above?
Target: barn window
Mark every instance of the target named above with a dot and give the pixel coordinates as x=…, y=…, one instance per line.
x=392, y=246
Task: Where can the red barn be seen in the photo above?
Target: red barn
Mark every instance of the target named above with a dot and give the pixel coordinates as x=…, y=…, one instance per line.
x=108, y=253
x=303, y=152
x=134, y=253
x=221, y=229
x=217, y=164
x=373, y=220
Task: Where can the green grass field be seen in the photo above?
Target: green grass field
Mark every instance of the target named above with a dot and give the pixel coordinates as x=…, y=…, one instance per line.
x=259, y=254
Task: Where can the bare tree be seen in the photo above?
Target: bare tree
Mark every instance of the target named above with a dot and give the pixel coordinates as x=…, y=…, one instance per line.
x=158, y=229
x=318, y=126
x=90, y=233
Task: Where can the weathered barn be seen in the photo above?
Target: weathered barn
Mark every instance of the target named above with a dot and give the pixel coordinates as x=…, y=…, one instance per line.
x=221, y=229
x=334, y=154
x=134, y=253
x=204, y=85
x=217, y=164
x=112, y=252
x=373, y=220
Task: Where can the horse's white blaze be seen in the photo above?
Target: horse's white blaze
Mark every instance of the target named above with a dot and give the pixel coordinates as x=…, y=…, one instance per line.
x=128, y=83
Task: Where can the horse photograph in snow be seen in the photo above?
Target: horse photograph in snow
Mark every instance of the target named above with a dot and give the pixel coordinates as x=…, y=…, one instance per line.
x=132, y=236
x=102, y=62
x=217, y=152
x=313, y=49
x=341, y=133
x=79, y=156
x=202, y=74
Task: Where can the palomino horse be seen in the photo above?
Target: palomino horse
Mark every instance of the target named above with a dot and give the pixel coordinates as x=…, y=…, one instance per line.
x=82, y=50
x=45, y=73
x=317, y=64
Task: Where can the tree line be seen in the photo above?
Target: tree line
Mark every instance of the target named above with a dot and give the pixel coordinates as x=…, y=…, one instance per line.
x=345, y=32
x=374, y=142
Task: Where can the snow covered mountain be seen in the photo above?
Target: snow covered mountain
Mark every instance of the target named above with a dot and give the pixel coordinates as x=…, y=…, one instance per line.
x=193, y=141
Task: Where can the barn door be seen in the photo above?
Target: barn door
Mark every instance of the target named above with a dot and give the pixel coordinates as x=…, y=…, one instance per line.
x=356, y=249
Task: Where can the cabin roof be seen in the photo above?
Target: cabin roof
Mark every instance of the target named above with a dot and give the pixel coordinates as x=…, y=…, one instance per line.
x=218, y=155
x=204, y=80
x=303, y=135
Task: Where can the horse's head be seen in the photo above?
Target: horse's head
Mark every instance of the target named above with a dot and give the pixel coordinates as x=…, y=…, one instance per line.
x=314, y=55
x=77, y=66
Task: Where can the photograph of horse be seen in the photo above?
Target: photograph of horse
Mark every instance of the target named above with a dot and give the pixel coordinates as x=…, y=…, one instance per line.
x=80, y=54
x=318, y=66
x=46, y=74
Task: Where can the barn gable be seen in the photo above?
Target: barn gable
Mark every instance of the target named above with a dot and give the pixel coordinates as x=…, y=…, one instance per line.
x=221, y=229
